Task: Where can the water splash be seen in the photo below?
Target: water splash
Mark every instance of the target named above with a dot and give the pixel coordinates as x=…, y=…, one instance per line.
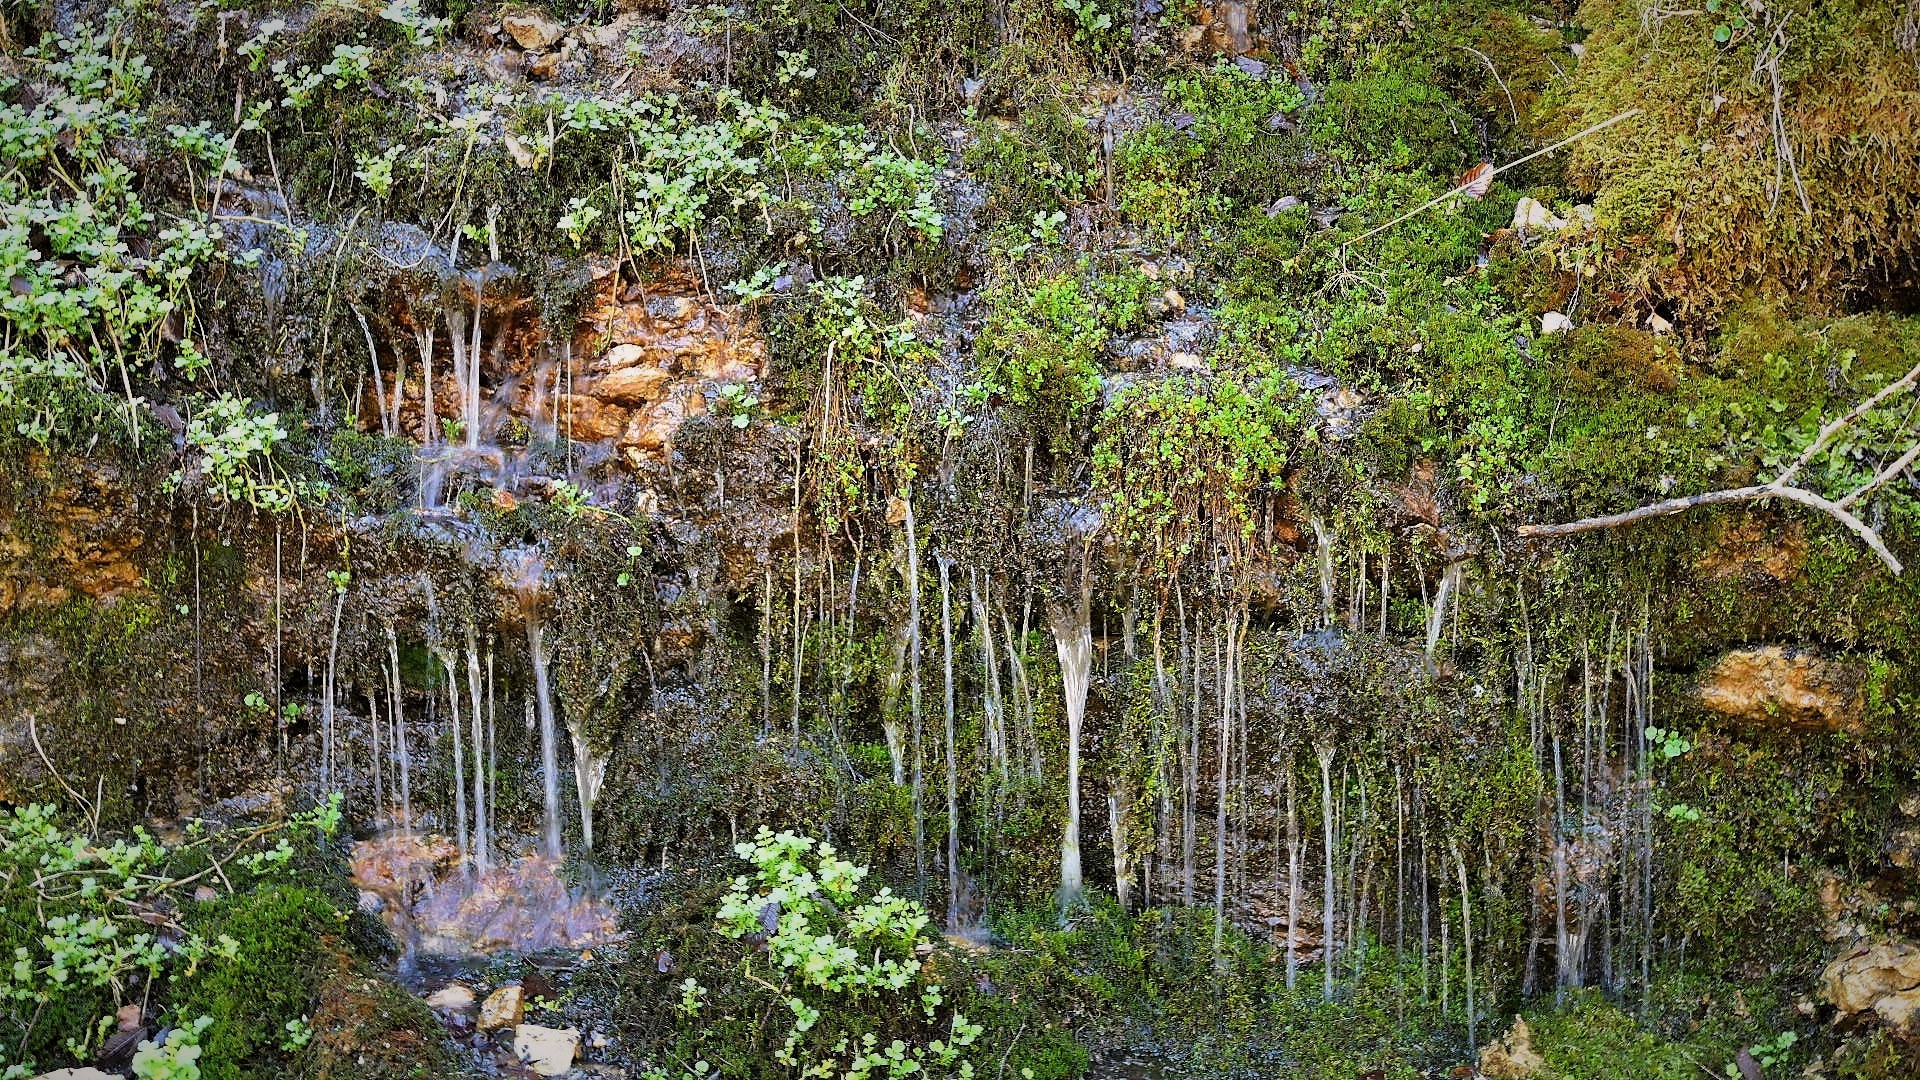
x=416, y=883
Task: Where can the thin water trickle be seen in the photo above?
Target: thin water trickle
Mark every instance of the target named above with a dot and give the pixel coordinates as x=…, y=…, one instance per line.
x=529, y=587
x=1072, y=624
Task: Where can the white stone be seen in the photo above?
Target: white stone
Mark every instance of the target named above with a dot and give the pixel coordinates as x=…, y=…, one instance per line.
x=452, y=998
x=1555, y=323
x=550, y=1051
x=503, y=1008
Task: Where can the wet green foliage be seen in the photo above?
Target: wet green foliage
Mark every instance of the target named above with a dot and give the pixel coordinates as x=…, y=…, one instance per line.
x=960, y=227
x=239, y=925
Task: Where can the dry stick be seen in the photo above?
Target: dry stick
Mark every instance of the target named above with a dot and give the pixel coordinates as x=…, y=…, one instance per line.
x=1779, y=487
x=1436, y=201
x=1496, y=78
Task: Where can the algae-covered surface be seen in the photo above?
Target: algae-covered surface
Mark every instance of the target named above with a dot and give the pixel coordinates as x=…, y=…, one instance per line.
x=1043, y=538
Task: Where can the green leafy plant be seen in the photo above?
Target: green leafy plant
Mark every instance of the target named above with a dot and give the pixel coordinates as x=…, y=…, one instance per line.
x=737, y=403
x=101, y=902
x=1733, y=20
x=236, y=456
x=1665, y=745
x=178, y=1058
x=826, y=946
x=376, y=170
x=1769, y=1053
x=580, y=217
x=1093, y=24
x=83, y=307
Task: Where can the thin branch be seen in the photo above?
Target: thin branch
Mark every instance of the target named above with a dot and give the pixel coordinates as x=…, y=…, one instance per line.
x=1659, y=509
x=1780, y=487
x=1883, y=476
x=1836, y=427
x=1497, y=79
x=1436, y=201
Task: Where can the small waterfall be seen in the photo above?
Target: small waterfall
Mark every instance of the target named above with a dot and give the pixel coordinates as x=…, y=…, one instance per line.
x=441, y=652
x=529, y=589
x=1436, y=619
x=913, y=653
x=482, y=842
x=589, y=770
x=395, y=700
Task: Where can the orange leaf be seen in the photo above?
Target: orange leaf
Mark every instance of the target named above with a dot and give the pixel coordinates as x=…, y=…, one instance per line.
x=1477, y=180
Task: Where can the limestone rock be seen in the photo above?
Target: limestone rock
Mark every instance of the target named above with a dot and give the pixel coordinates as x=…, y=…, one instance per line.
x=1512, y=1057
x=451, y=998
x=531, y=30
x=549, y=1050
x=1881, y=976
x=634, y=385
x=1532, y=215
x=77, y=1074
x=1775, y=685
x=503, y=1008
x=589, y=419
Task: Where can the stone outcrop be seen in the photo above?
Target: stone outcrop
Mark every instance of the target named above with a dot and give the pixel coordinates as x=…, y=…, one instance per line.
x=79, y=543
x=1512, y=1057
x=1753, y=548
x=1780, y=686
x=1881, y=976
x=652, y=351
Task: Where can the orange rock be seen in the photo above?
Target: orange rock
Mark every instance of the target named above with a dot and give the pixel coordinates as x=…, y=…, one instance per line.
x=651, y=429
x=589, y=419
x=632, y=385
x=1774, y=685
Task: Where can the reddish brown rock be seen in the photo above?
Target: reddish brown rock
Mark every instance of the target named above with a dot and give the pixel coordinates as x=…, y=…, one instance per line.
x=1754, y=548
x=589, y=419
x=636, y=385
x=82, y=542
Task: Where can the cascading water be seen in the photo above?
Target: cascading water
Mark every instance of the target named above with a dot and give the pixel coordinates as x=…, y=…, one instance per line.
x=528, y=586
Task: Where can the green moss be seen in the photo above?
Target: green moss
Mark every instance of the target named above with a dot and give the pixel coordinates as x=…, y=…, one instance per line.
x=274, y=977
x=1696, y=203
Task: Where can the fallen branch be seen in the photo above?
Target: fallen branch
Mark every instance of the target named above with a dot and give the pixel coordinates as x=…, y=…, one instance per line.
x=1780, y=487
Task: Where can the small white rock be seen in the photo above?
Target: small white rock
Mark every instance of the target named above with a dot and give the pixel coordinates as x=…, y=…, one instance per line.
x=550, y=1051
x=1532, y=214
x=1659, y=325
x=1555, y=323
x=451, y=998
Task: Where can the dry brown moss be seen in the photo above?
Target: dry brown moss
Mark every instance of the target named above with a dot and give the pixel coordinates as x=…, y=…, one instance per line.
x=1696, y=205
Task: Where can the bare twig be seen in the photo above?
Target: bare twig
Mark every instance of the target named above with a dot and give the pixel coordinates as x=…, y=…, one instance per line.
x=1481, y=179
x=1498, y=80
x=1780, y=487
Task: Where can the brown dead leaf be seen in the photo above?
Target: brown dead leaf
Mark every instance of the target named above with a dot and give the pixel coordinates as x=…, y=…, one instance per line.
x=1477, y=180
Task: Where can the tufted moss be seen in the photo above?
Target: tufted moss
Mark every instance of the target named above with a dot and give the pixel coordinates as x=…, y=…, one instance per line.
x=1695, y=200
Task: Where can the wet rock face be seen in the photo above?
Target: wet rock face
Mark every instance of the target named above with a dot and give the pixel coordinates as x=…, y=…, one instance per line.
x=1753, y=549
x=77, y=543
x=1512, y=1057
x=1775, y=686
x=650, y=353
x=1879, y=976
